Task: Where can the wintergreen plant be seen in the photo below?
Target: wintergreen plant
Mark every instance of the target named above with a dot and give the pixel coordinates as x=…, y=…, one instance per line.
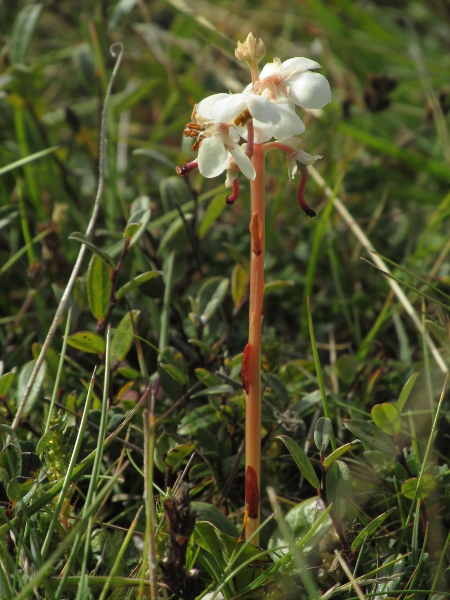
x=234, y=132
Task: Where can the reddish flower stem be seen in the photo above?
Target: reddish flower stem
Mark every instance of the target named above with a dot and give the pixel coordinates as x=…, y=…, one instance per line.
x=252, y=356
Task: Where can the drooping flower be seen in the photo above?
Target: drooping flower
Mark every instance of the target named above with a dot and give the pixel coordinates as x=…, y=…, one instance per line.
x=216, y=143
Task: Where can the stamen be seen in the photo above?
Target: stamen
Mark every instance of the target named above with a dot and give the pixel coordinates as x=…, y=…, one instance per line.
x=250, y=139
x=231, y=198
x=187, y=168
x=300, y=197
x=243, y=118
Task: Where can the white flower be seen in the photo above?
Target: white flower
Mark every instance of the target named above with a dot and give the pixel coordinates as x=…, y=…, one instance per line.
x=294, y=80
x=217, y=142
x=293, y=154
x=272, y=117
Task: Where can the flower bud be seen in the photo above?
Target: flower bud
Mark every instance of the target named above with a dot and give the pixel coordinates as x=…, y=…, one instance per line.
x=251, y=51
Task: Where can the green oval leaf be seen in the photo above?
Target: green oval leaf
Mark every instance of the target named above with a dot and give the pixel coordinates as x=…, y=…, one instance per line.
x=215, y=390
x=239, y=285
x=427, y=485
x=322, y=433
x=86, y=341
x=309, y=523
x=137, y=224
x=372, y=436
x=214, y=210
x=175, y=236
x=11, y=460
x=136, y=282
x=211, y=514
x=339, y=487
x=175, y=373
x=22, y=32
x=210, y=296
x=370, y=529
x=98, y=287
x=406, y=391
x=339, y=452
x=6, y=382
x=301, y=460
x=18, y=488
x=80, y=237
x=22, y=384
x=387, y=418
x=124, y=336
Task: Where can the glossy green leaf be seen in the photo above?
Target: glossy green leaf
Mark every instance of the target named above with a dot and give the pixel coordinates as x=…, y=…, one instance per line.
x=239, y=285
x=175, y=237
x=277, y=285
x=372, y=436
x=211, y=514
x=175, y=373
x=394, y=573
x=301, y=460
x=87, y=341
x=339, y=487
x=427, y=485
x=22, y=384
x=214, y=391
x=98, y=287
x=121, y=10
x=346, y=366
x=11, y=460
x=137, y=225
x=370, y=529
x=177, y=455
x=123, y=337
x=213, y=211
x=322, y=432
x=339, y=452
x=206, y=377
x=136, y=282
x=80, y=237
x=210, y=296
x=18, y=487
x=387, y=418
x=85, y=66
x=309, y=523
x=22, y=32
x=406, y=391
x=6, y=382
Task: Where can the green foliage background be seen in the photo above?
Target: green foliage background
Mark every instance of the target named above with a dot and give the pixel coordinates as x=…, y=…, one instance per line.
x=386, y=155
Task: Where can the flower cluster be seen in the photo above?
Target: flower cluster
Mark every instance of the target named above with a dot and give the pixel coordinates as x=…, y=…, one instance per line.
x=226, y=126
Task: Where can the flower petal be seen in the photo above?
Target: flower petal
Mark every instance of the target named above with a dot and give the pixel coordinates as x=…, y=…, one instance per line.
x=206, y=108
x=262, y=109
x=212, y=156
x=230, y=107
x=300, y=63
x=309, y=90
x=243, y=162
x=270, y=68
x=290, y=123
x=305, y=158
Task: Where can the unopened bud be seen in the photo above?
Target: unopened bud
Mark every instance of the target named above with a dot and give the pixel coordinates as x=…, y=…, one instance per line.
x=251, y=51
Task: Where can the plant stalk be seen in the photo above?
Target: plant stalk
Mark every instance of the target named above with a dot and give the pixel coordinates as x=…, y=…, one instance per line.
x=251, y=362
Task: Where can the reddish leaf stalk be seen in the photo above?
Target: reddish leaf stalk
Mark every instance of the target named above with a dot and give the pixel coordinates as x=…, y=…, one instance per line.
x=252, y=354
